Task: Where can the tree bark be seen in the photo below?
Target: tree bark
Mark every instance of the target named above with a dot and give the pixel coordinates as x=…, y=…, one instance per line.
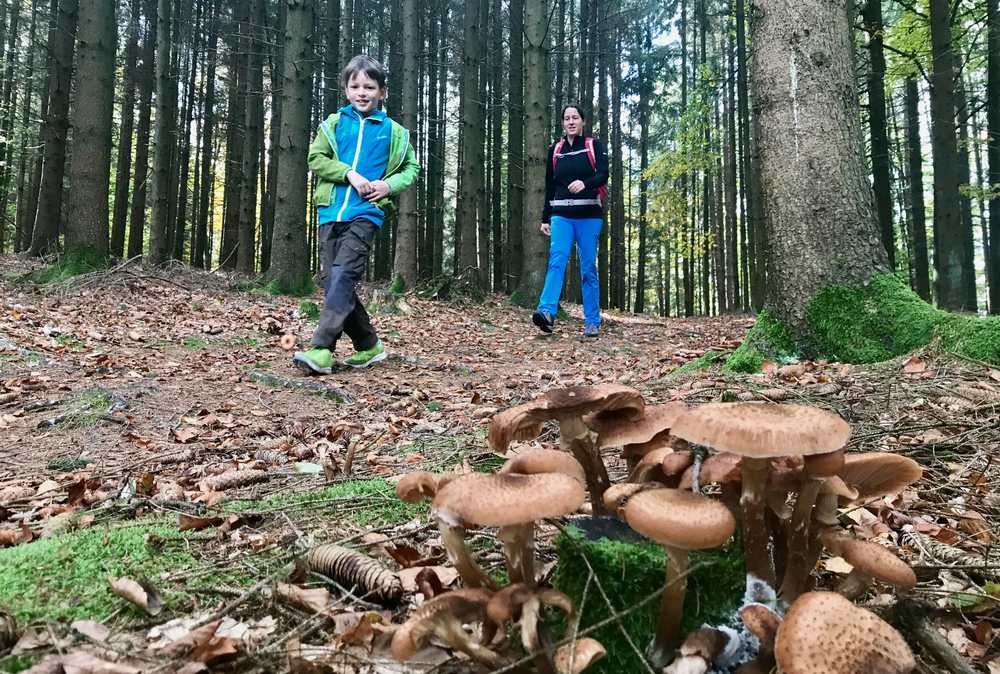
x=915, y=161
x=140, y=185
x=733, y=275
x=253, y=45
x=471, y=116
x=515, y=147
x=618, y=270
x=817, y=199
x=23, y=198
x=201, y=250
x=405, y=263
x=45, y=234
x=288, y=247
x=124, y=168
x=496, y=147
x=236, y=108
x=331, y=64
x=993, y=146
x=536, y=98
x=165, y=137
x=644, y=39
x=179, y=237
x=876, y=124
x=953, y=269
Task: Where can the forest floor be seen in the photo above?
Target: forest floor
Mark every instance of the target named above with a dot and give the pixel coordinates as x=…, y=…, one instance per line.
x=152, y=429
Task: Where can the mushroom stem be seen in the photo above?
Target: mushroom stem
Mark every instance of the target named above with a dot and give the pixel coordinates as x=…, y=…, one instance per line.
x=454, y=543
x=451, y=632
x=671, y=608
x=533, y=635
x=519, y=549
x=576, y=438
x=796, y=568
x=756, y=548
x=855, y=584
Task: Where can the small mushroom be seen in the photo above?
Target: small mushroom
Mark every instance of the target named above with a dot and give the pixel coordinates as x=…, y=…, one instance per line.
x=417, y=486
x=825, y=633
x=510, y=501
x=763, y=623
x=522, y=604
x=442, y=617
x=871, y=561
x=878, y=474
x=575, y=657
x=536, y=461
x=680, y=521
x=758, y=432
x=699, y=651
x=615, y=429
x=617, y=495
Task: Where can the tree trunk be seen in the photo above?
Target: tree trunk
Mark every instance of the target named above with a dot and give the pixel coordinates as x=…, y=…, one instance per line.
x=140, y=185
x=253, y=44
x=817, y=200
x=201, y=251
x=165, y=137
x=643, y=38
x=496, y=145
x=915, y=161
x=346, y=32
x=515, y=148
x=618, y=270
x=277, y=67
x=471, y=116
x=603, y=37
x=876, y=124
x=949, y=249
x=405, y=264
x=729, y=151
x=331, y=64
x=25, y=204
x=179, y=237
x=7, y=114
x=993, y=147
x=45, y=234
x=965, y=200
x=288, y=246
x=124, y=168
x=536, y=97
x=442, y=107
x=236, y=108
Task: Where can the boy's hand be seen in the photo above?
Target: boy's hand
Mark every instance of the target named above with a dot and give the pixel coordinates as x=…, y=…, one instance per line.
x=545, y=229
x=377, y=190
x=359, y=182
x=576, y=186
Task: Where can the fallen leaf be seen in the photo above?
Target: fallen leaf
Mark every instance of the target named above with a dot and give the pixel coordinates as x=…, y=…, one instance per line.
x=838, y=565
x=202, y=645
x=10, y=537
x=82, y=662
x=411, y=577
x=189, y=522
x=186, y=434
x=141, y=593
x=914, y=365
x=315, y=599
x=91, y=629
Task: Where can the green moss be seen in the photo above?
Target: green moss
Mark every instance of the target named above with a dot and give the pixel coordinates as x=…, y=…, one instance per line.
x=768, y=339
x=869, y=324
x=65, y=577
x=629, y=573
x=194, y=343
x=310, y=310
x=523, y=300
x=70, y=264
x=302, y=288
x=398, y=285
x=701, y=363
x=17, y=663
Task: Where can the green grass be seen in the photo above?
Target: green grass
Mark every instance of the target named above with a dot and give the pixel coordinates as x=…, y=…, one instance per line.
x=248, y=342
x=310, y=310
x=194, y=343
x=68, y=265
x=70, y=341
x=18, y=663
x=65, y=577
x=703, y=362
x=434, y=406
x=629, y=573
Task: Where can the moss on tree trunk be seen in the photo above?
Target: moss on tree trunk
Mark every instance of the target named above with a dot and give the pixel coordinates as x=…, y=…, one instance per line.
x=868, y=324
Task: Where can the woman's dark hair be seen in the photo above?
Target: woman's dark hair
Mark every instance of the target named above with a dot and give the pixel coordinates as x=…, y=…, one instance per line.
x=362, y=63
x=576, y=107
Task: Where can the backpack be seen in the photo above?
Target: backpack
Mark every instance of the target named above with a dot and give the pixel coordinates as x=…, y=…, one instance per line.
x=602, y=191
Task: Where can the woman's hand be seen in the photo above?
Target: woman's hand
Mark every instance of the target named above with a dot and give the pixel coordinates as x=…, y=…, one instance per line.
x=576, y=186
x=377, y=190
x=359, y=182
x=545, y=229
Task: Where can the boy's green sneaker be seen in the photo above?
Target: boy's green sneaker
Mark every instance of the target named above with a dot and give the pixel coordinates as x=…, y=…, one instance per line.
x=314, y=361
x=366, y=358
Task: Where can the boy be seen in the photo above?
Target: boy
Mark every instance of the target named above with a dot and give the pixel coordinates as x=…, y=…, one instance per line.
x=361, y=159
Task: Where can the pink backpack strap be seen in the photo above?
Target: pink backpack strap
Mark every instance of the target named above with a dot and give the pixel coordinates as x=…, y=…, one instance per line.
x=555, y=153
x=591, y=154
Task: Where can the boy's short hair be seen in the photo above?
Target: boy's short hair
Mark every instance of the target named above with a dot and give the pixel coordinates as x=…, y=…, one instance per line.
x=362, y=63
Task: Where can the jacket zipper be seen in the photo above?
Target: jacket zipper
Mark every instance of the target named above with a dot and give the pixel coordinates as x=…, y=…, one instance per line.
x=354, y=167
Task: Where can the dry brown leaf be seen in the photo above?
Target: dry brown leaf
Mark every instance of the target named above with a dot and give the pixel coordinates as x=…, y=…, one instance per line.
x=202, y=645
x=82, y=662
x=914, y=365
x=10, y=537
x=186, y=434
x=314, y=599
x=412, y=580
x=189, y=522
x=140, y=593
x=91, y=629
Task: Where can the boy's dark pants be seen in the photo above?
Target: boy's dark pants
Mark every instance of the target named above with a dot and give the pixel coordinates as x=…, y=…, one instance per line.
x=343, y=256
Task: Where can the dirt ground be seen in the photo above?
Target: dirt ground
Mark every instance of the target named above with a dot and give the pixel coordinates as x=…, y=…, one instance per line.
x=134, y=395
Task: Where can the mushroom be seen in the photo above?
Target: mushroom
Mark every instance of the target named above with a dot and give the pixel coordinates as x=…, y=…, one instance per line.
x=442, y=617
x=680, y=521
x=757, y=432
x=763, y=623
x=617, y=495
x=877, y=474
x=568, y=406
x=510, y=501
x=621, y=430
x=824, y=632
x=722, y=468
x=536, y=461
x=870, y=561
x=417, y=486
x=575, y=657
x=518, y=602
x=699, y=651
x=650, y=468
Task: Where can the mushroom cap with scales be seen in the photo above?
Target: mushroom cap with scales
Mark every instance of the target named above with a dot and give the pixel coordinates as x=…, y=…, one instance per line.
x=620, y=428
x=509, y=498
x=824, y=633
x=870, y=558
x=763, y=430
x=535, y=461
x=877, y=474
x=680, y=519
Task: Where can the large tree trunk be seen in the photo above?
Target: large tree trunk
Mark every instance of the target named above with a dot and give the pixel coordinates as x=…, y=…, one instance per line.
x=331, y=60
x=876, y=124
x=536, y=97
x=817, y=200
x=405, y=263
x=25, y=204
x=179, y=238
x=466, y=220
x=90, y=162
x=165, y=137
x=200, y=252
x=643, y=41
x=515, y=148
x=253, y=44
x=618, y=270
x=289, y=270
x=140, y=185
x=993, y=146
x=45, y=234
x=915, y=161
x=124, y=168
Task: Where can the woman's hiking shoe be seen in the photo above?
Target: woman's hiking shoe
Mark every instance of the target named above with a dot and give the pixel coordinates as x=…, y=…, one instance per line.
x=544, y=321
x=314, y=361
x=592, y=331
x=365, y=358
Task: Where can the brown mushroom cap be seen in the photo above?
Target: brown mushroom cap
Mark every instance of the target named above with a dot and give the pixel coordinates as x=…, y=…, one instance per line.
x=763, y=623
x=877, y=474
x=536, y=461
x=617, y=495
x=575, y=657
x=617, y=429
x=680, y=519
x=661, y=440
x=719, y=468
x=514, y=424
x=417, y=486
x=836, y=486
x=763, y=430
x=871, y=558
x=467, y=604
x=824, y=633
x=824, y=465
x=505, y=604
x=675, y=463
x=509, y=498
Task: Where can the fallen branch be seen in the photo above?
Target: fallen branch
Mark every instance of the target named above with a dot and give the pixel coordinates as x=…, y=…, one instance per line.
x=300, y=384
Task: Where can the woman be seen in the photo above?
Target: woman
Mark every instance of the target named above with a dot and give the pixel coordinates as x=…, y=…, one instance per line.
x=576, y=177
